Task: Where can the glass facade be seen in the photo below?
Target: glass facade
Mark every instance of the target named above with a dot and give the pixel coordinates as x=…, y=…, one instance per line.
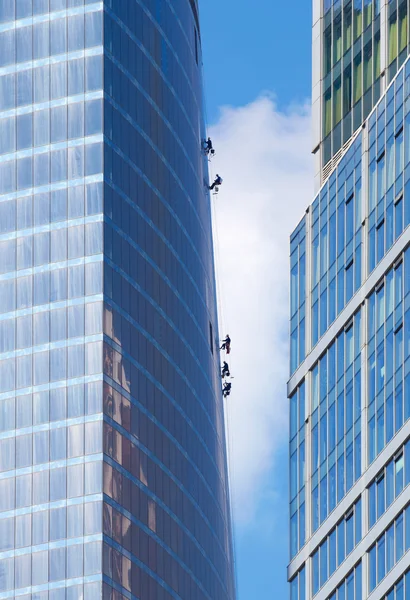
x=351, y=68
x=400, y=590
x=337, y=546
x=297, y=469
x=363, y=44
x=298, y=295
x=389, y=484
x=351, y=587
x=349, y=387
x=113, y=477
x=336, y=422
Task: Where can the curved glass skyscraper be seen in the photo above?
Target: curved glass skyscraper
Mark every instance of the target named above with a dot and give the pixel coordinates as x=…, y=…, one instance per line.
x=113, y=477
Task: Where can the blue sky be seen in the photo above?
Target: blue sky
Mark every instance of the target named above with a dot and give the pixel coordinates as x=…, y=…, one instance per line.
x=248, y=54
x=251, y=47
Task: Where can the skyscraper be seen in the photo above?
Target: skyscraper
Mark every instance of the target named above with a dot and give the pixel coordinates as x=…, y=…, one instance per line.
x=113, y=478
x=349, y=385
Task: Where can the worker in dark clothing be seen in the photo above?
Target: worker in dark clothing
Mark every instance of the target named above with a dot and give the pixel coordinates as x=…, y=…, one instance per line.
x=218, y=181
x=208, y=147
x=226, y=344
x=227, y=389
x=225, y=370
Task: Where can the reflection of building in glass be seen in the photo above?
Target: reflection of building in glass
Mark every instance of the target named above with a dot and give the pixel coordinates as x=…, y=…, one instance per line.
x=113, y=472
x=350, y=328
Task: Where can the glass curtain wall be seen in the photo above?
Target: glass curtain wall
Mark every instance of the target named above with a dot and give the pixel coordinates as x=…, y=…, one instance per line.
x=51, y=302
x=351, y=69
x=166, y=508
x=112, y=441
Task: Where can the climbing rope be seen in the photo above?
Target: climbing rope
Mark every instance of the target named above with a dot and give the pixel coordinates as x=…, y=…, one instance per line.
x=223, y=325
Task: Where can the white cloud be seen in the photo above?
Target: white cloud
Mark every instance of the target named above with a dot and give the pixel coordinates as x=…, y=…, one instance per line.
x=263, y=155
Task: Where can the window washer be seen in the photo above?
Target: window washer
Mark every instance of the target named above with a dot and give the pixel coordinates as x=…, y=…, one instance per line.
x=218, y=181
x=227, y=389
x=225, y=370
x=226, y=344
x=209, y=150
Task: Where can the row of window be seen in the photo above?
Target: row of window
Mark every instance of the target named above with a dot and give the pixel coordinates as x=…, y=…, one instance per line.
x=142, y=349
x=48, y=38
x=388, y=414
x=54, y=365
x=340, y=423
x=43, y=248
x=44, y=486
x=185, y=498
x=41, y=527
x=397, y=35
x=351, y=121
x=57, y=404
x=153, y=131
x=177, y=325
x=351, y=68
x=44, y=446
x=156, y=140
x=137, y=54
x=389, y=548
x=336, y=422
x=298, y=296
x=388, y=157
x=156, y=187
x=298, y=586
x=50, y=126
x=174, y=469
x=348, y=80
x=50, y=167
x=389, y=484
x=155, y=357
x=339, y=543
x=156, y=360
x=337, y=218
x=344, y=28
x=297, y=470
x=163, y=241
x=22, y=9
x=401, y=590
x=138, y=424
x=361, y=6
x=49, y=327
x=181, y=324
x=65, y=590
x=388, y=356
x=188, y=430
x=150, y=253
x=351, y=587
x=50, y=286
x=170, y=533
x=70, y=202
x=336, y=363
x=50, y=82
x=132, y=532
x=48, y=566
x=337, y=245
x=146, y=25
x=390, y=226
x=336, y=407
x=385, y=304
